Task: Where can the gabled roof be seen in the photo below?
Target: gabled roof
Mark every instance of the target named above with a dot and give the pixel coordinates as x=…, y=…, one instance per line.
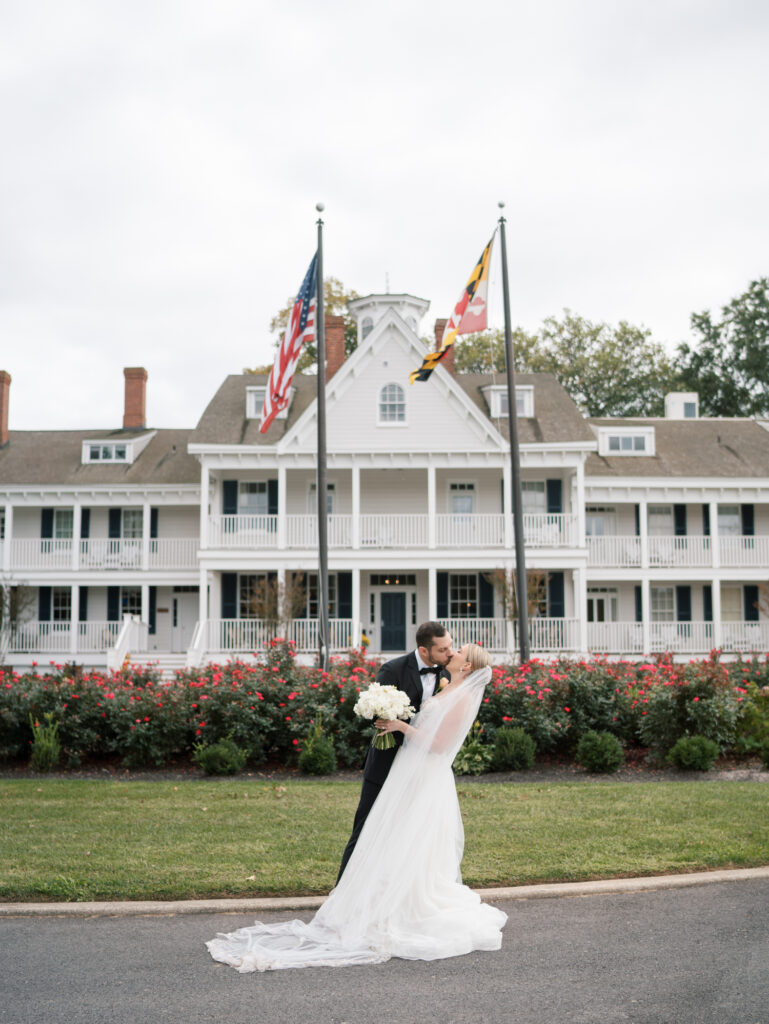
x=54, y=457
x=224, y=420
x=689, y=448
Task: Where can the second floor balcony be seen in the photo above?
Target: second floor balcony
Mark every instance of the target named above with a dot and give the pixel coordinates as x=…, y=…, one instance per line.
x=385, y=530
x=100, y=553
x=620, y=552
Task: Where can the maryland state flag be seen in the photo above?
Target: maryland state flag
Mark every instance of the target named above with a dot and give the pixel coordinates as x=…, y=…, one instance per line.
x=469, y=314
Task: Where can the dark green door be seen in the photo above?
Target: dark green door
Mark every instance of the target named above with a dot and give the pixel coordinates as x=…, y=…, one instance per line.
x=393, y=607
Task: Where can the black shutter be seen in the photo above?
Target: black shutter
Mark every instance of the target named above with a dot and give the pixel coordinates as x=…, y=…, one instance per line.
x=229, y=498
x=153, y=610
x=344, y=594
x=229, y=595
x=44, y=603
x=83, y=602
x=305, y=582
x=114, y=523
x=750, y=600
x=706, y=520
x=748, y=521
x=113, y=604
x=153, y=524
x=637, y=520
x=556, y=605
x=707, y=602
x=85, y=523
x=485, y=597
x=272, y=497
x=684, y=603
x=554, y=497
x=639, y=602
x=442, y=595
x=46, y=523
x=502, y=494
x=679, y=519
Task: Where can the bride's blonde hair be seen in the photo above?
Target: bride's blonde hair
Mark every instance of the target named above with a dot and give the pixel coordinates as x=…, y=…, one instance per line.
x=478, y=657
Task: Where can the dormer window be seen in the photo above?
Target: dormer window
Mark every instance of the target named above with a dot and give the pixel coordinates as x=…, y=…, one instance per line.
x=496, y=398
x=107, y=453
x=392, y=404
x=626, y=441
x=110, y=451
x=255, y=401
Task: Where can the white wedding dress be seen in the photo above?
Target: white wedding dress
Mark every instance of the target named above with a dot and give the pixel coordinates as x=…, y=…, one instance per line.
x=401, y=893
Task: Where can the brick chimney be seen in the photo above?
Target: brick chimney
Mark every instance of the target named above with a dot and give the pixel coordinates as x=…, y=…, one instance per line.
x=448, y=360
x=134, y=415
x=334, y=344
x=5, y=388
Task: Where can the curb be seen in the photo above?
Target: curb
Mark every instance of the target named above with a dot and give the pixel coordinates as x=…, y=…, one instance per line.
x=557, y=890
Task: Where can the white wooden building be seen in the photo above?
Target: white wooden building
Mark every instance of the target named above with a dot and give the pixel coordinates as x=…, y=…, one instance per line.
x=645, y=535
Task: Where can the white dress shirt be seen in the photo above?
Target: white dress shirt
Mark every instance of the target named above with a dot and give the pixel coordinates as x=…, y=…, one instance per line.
x=428, y=679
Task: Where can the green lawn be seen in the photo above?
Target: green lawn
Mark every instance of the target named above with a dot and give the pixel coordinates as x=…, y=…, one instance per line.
x=89, y=840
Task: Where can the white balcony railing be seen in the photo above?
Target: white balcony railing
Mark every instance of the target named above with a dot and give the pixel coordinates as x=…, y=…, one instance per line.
x=688, y=552
x=747, y=551
x=471, y=531
x=56, y=637
x=243, y=531
x=111, y=553
x=380, y=530
x=174, y=553
x=747, y=637
x=302, y=531
x=549, y=634
x=103, y=553
x=614, y=552
x=615, y=637
x=547, y=530
x=489, y=633
x=41, y=553
x=249, y=636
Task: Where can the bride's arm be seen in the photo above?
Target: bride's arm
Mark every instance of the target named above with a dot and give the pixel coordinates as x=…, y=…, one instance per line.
x=446, y=733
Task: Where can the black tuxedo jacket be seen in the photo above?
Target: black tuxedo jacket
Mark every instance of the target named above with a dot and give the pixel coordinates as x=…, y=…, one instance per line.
x=402, y=672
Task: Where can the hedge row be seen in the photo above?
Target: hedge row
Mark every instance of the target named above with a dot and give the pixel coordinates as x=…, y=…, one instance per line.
x=267, y=705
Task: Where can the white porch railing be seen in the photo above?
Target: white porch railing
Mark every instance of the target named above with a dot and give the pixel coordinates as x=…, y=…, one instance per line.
x=681, y=637
x=104, y=553
x=689, y=552
x=489, y=633
x=548, y=634
x=614, y=552
x=41, y=553
x=615, y=637
x=174, y=553
x=547, y=530
x=747, y=637
x=130, y=642
x=302, y=531
x=748, y=551
x=111, y=553
x=249, y=636
x=380, y=530
x=243, y=531
x=471, y=531
x=40, y=637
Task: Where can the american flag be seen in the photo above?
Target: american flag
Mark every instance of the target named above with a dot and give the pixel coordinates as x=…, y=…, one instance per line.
x=300, y=328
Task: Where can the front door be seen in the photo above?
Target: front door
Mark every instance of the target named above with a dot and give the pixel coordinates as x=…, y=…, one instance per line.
x=393, y=609
x=184, y=615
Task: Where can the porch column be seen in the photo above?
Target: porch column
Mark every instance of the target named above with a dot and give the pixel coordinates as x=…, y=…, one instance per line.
x=431, y=512
x=715, y=547
x=355, y=484
x=580, y=510
x=282, y=504
x=203, y=596
x=580, y=609
x=8, y=538
x=145, y=615
x=646, y=614
x=356, y=616
x=77, y=516
x=432, y=593
x=507, y=485
x=717, y=631
x=204, y=486
x=643, y=524
x=74, y=606
x=146, y=513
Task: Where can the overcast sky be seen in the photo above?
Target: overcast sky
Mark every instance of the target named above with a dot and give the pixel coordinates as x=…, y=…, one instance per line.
x=162, y=160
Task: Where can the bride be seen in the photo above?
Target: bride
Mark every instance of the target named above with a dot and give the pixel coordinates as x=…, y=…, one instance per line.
x=401, y=893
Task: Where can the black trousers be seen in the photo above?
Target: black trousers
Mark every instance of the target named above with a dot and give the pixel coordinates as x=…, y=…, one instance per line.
x=368, y=794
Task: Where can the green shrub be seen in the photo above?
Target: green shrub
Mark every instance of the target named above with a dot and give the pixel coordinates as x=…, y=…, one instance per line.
x=46, y=748
x=317, y=756
x=222, y=758
x=600, y=752
x=474, y=756
x=513, y=750
x=765, y=754
x=694, y=753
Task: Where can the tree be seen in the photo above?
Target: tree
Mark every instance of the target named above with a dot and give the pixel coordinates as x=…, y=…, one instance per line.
x=608, y=371
x=16, y=601
x=277, y=602
x=729, y=367
x=335, y=299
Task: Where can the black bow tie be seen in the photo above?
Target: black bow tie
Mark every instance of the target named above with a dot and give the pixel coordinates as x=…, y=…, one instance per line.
x=428, y=671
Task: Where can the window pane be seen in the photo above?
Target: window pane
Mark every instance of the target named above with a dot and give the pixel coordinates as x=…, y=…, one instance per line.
x=95, y=452
x=639, y=444
x=392, y=404
x=463, y=595
x=662, y=604
x=132, y=523
x=614, y=444
x=729, y=520
x=131, y=600
x=120, y=451
x=253, y=498
x=533, y=494
x=61, y=604
x=660, y=520
x=62, y=523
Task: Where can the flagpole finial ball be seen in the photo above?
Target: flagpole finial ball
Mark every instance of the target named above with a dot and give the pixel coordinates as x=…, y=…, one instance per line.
x=501, y=205
x=320, y=207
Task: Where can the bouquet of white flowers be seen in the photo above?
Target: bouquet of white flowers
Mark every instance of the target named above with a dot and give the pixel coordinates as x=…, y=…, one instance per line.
x=384, y=702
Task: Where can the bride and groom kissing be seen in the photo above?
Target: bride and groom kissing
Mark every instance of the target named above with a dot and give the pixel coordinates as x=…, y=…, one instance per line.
x=399, y=890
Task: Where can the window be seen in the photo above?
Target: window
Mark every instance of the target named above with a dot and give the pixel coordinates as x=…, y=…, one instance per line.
x=626, y=441
x=663, y=605
x=102, y=452
x=131, y=600
x=601, y=604
x=312, y=596
x=690, y=410
x=463, y=595
x=255, y=400
x=61, y=604
x=661, y=521
x=253, y=498
x=63, y=523
x=462, y=498
x=312, y=500
x=533, y=497
x=729, y=524
x=249, y=584
x=132, y=523
x=392, y=404
x=366, y=327
x=496, y=398
x=600, y=521
x=731, y=604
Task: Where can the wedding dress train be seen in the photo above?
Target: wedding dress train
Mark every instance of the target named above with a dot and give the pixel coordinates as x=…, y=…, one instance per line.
x=401, y=893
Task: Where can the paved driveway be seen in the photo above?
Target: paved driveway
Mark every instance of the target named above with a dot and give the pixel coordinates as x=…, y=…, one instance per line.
x=681, y=956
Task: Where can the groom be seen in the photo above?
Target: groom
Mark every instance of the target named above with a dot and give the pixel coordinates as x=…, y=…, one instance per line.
x=417, y=674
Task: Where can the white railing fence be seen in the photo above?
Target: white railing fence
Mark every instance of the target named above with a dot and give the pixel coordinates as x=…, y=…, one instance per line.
x=615, y=552
x=489, y=633
x=174, y=552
